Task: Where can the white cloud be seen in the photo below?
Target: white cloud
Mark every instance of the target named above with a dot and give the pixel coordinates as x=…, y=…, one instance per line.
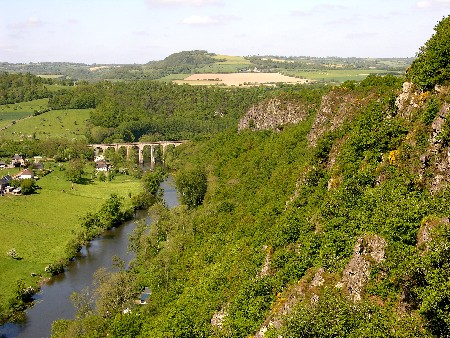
x=320, y=9
x=361, y=35
x=31, y=22
x=425, y=4
x=197, y=20
x=21, y=29
x=141, y=33
x=159, y=3
x=7, y=48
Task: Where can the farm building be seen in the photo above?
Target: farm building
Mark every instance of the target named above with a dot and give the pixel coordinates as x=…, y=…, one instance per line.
x=18, y=161
x=27, y=173
x=102, y=166
x=38, y=166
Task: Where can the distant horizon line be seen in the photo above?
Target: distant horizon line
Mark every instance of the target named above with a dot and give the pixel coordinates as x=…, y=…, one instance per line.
x=258, y=55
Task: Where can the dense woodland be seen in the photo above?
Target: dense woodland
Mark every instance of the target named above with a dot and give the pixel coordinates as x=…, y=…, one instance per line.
x=148, y=110
x=337, y=226
x=16, y=88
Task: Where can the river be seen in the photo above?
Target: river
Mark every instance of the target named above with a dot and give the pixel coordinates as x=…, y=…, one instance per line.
x=53, y=300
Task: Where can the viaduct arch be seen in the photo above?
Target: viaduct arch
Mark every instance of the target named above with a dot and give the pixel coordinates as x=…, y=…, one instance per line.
x=139, y=145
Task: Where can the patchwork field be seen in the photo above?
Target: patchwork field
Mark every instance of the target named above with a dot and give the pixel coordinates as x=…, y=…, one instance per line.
x=239, y=79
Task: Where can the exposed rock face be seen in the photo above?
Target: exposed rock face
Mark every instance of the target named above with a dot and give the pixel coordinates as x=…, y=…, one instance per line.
x=336, y=107
x=218, y=318
x=369, y=250
x=424, y=235
x=408, y=99
x=286, y=301
x=265, y=270
x=438, y=154
x=273, y=114
x=435, y=162
x=318, y=279
x=437, y=126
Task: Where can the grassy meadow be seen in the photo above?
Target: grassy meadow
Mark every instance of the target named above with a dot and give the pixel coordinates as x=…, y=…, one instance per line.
x=17, y=111
x=70, y=124
x=333, y=75
x=39, y=226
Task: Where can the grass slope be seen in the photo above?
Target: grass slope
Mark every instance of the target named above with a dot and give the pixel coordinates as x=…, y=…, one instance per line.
x=70, y=124
x=14, y=112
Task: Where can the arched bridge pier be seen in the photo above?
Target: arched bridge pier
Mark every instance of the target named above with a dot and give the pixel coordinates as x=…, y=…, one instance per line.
x=139, y=145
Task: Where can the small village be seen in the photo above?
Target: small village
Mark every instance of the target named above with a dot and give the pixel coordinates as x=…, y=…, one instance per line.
x=33, y=169
x=7, y=185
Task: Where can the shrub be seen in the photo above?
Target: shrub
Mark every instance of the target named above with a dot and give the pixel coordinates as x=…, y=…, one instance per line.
x=54, y=269
x=429, y=114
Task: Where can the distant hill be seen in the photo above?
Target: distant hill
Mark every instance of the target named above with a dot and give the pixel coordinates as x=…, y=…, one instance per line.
x=179, y=65
x=187, y=59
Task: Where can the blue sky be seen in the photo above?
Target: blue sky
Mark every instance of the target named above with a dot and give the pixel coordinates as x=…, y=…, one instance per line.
x=138, y=31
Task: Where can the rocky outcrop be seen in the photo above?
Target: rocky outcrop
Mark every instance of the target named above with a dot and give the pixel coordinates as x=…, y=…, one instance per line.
x=424, y=236
x=435, y=162
x=218, y=318
x=306, y=289
x=336, y=107
x=438, y=153
x=265, y=269
x=273, y=114
x=369, y=250
x=408, y=100
x=437, y=127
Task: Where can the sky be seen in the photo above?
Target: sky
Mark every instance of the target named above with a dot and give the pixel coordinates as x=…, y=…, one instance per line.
x=139, y=31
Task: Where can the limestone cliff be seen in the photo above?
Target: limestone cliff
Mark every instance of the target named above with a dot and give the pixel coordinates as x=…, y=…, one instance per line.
x=273, y=114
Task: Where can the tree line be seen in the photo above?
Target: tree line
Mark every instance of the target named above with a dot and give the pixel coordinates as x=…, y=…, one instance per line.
x=15, y=88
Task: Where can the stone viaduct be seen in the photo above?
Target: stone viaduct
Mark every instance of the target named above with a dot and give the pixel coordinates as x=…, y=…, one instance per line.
x=139, y=145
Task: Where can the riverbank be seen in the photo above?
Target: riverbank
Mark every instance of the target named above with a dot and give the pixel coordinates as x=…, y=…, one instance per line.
x=54, y=300
x=41, y=227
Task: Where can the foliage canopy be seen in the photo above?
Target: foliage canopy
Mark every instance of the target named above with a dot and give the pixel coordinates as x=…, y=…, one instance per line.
x=432, y=66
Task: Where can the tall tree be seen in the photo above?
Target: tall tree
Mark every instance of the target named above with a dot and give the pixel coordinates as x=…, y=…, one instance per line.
x=192, y=185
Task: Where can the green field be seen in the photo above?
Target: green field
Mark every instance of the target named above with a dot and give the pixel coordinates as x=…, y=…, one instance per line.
x=334, y=75
x=17, y=111
x=39, y=226
x=235, y=60
x=70, y=124
x=173, y=77
x=24, y=107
